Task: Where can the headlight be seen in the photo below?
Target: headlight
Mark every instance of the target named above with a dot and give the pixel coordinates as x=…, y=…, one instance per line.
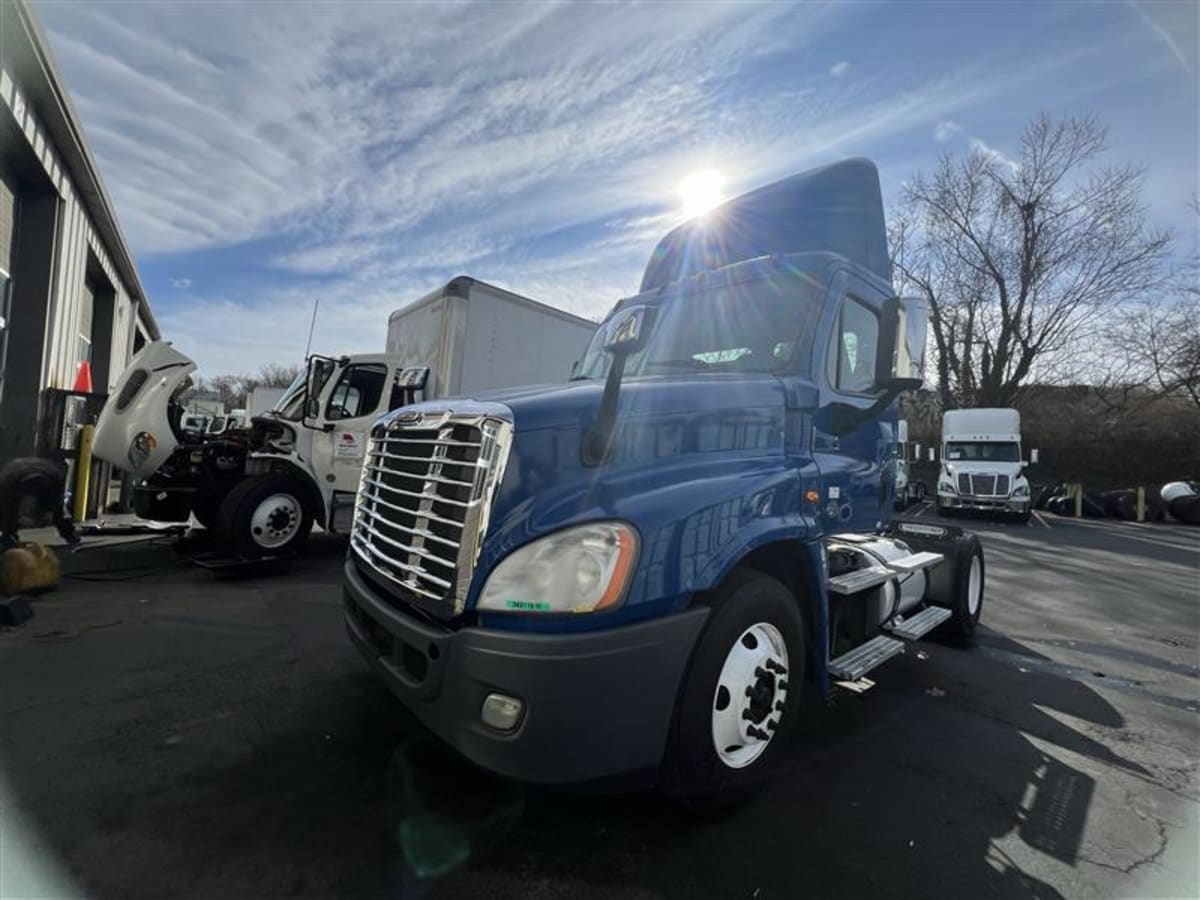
x=1021, y=490
x=576, y=570
x=141, y=448
x=947, y=486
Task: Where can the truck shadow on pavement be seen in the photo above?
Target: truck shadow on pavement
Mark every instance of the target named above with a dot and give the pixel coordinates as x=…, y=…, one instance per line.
x=332, y=790
x=906, y=792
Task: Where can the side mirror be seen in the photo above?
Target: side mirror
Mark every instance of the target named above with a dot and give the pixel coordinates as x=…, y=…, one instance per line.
x=932, y=457
x=1033, y=456
x=900, y=355
x=628, y=331
x=414, y=378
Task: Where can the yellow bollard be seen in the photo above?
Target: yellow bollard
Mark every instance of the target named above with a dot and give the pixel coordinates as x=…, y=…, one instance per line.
x=1077, y=487
x=83, y=472
x=1141, y=504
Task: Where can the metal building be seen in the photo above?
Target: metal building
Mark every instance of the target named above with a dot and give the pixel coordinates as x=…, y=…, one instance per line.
x=69, y=290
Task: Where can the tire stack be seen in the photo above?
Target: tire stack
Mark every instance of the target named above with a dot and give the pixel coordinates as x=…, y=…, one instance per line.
x=1123, y=505
x=1182, y=501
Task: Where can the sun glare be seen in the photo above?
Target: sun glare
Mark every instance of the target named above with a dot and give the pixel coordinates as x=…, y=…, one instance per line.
x=701, y=191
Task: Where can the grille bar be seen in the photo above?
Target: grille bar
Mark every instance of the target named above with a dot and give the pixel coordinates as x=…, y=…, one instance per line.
x=370, y=550
x=426, y=496
x=408, y=512
x=437, y=441
x=415, y=532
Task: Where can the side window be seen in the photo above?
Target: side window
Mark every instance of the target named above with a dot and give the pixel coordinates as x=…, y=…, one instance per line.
x=852, y=350
x=357, y=392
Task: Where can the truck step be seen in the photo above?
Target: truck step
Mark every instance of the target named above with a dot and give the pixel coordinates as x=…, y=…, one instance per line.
x=863, y=658
x=860, y=579
x=915, y=561
x=921, y=624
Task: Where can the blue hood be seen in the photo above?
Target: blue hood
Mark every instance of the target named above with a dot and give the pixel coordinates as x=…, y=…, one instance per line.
x=576, y=403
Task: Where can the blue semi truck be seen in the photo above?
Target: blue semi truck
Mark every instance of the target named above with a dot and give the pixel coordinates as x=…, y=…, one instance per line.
x=642, y=569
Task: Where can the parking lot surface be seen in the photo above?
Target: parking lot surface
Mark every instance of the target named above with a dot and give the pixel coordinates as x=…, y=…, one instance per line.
x=173, y=735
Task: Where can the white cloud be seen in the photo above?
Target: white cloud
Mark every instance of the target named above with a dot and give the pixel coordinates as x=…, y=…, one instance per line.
x=181, y=283
x=945, y=130
x=980, y=146
x=373, y=150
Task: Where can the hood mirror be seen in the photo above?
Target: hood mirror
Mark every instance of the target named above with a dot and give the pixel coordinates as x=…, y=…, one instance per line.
x=627, y=333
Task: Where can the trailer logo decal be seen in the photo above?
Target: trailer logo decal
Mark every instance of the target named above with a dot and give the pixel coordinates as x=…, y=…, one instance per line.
x=349, y=445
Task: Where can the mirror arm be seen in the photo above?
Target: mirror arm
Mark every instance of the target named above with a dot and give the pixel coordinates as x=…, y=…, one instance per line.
x=847, y=418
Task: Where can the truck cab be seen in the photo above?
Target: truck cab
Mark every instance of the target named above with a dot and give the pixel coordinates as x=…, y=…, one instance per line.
x=639, y=571
x=982, y=465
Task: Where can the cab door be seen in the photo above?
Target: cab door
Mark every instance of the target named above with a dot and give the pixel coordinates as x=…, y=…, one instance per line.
x=854, y=452
x=360, y=393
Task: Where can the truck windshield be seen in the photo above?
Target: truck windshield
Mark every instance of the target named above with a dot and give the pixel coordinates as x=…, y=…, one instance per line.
x=754, y=324
x=984, y=451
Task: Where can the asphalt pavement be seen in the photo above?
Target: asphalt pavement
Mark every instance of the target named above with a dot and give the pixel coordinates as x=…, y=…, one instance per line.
x=170, y=735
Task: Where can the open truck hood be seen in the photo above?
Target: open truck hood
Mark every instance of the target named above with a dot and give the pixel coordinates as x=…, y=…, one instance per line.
x=140, y=404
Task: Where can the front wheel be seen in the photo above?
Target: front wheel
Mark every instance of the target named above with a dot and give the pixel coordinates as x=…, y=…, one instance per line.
x=741, y=696
x=265, y=515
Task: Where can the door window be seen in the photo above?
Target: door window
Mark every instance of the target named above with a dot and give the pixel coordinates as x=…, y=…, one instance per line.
x=357, y=392
x=852, y=353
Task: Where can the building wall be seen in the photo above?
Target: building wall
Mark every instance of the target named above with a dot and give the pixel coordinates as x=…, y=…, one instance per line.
x=77, y=251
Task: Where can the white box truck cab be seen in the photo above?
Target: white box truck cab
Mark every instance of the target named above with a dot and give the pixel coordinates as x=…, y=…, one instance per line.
x=299, y=463
x=982, y=467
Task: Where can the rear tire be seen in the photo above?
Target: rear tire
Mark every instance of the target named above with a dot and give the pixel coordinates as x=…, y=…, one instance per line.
x=731, y=694
x=265, y=515
x=966, y=586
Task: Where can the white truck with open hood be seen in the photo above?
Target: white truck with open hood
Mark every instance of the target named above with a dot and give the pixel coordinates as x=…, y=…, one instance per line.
x=262, y=489
x=982, y=466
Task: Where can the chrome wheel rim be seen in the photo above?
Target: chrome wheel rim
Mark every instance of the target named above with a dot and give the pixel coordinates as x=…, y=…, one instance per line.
x=974, y=587
x=751, y=695
x=275, y=521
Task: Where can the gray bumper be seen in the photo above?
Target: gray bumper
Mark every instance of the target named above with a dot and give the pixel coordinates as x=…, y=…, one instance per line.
x=1000, y=504
x=597, y=704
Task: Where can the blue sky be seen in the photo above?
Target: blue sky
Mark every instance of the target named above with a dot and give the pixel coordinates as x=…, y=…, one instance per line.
x=263, y=155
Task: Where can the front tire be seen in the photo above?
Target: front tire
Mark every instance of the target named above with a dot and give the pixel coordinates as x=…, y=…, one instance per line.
x=741, y=696
x=265, y=515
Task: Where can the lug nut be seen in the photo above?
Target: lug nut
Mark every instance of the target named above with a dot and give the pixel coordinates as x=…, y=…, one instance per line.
x=770, y=724
x=776, y=667
x=747, y=715
x=750, y=690
x=782, y=685
x=779, y=706
x=757, y=733
x=760, y=672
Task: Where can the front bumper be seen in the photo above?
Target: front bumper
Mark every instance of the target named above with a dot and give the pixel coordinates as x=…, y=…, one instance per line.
x=597, y=704
x=1000, y=504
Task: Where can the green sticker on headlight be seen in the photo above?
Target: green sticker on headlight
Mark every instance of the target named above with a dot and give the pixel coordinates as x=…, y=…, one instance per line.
x=536, y=606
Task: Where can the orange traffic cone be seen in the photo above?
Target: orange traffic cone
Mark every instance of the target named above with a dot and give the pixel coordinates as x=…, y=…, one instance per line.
x=83, y=378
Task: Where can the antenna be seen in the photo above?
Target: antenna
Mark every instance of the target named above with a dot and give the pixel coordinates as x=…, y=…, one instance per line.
x=311, y=326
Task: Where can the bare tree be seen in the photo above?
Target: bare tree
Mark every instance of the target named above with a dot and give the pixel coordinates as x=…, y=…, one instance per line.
x=1020, y=261
x=1153, y=347
x=234, y=390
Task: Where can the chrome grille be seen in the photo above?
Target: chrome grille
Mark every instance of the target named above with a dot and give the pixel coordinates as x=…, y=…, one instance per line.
x=964, y=484
x=424, y=500
x=1001, y=485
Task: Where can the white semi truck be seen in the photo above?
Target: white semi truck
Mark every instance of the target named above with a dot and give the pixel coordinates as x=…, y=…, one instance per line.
x=982, y=466
x=299, y=464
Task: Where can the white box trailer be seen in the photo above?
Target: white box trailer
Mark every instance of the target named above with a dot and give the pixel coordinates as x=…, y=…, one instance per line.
x=474, y=337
